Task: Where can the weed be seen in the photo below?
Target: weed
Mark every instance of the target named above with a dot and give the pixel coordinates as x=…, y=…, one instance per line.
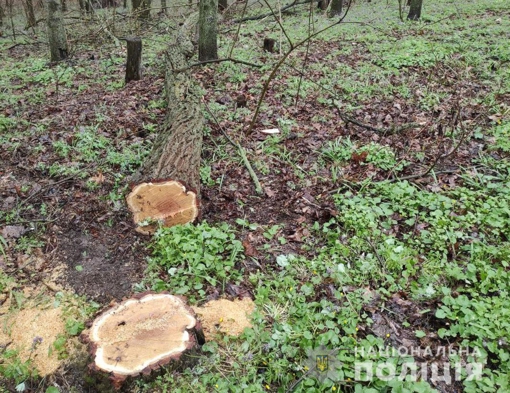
x=192, y=258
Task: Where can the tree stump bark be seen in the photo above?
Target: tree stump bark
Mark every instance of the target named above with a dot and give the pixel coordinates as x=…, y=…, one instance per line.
x=56, y=32
x=134, y=59
x=177, y=148
x=269, y=44
x=415, y=10
x=142, y=334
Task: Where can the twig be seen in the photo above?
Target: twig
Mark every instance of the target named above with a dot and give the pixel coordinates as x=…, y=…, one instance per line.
x=389, y=131
x=43, y=188
x=219, y=61
x=241, y=151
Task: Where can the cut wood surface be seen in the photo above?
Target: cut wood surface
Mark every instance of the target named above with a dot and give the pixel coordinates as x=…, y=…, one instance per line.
x=165, y=203
x=141, y=334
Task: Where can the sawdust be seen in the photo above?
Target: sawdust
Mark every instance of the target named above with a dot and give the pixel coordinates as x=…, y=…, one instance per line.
x=32, y=331
x=225, y=316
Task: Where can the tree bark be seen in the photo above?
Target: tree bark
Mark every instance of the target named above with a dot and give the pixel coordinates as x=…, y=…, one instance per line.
x=336, y=8
x=29, y=8
x=415, y=10
x=164, y=7
x=222, y=5
x=56, y=32
x=142, y=8
x=134, y=59
x=323, y=4
x=177, y=148
x=208, y=30
x=2, y=14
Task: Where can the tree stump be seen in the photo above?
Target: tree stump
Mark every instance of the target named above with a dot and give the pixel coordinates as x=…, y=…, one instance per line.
x=269, y=44
x=134, y=59
x=415, y=10
x=142, y=334
x=166, y=202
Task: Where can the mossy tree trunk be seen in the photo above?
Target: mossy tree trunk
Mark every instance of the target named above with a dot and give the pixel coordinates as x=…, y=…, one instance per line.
x=415, y=10
x=208, y=30
x=335, y=8
x=177, y=148
x=56, y=32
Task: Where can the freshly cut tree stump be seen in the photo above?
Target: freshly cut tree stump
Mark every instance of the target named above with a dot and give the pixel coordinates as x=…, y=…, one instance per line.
x=164, y=202
x=142, y=334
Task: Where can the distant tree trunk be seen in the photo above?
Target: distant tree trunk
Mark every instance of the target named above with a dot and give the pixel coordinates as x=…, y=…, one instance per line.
x=56, y=32
x=64, y=5
x=208, y=30
x=415, y=10
x=222, y=5
x=142, y=8
x=163, y=7
x=134, y=59
x=29, y=10
x=177, y=149
x=323, y=4
x=2, y=14
x=335, y=8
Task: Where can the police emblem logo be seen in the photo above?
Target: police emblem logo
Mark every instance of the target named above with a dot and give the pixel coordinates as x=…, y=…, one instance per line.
x=322, y=363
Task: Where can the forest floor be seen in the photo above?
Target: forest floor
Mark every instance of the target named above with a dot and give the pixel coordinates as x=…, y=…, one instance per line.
x=384, y=223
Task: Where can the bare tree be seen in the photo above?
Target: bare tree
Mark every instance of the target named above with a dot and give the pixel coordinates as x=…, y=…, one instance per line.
x=208, y=30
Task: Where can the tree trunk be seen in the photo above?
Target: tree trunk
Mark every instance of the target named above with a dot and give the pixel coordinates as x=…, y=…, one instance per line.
x=142, y=8
x=208, y=30
x=29, y=8
x=415, y=10
x=64, y=5
x=323, y=4
x=56, y=32
x=336, y=8
x=163, y=7
x=134, y=59
x=177, y=148
x=2, y=14
x=222, y=5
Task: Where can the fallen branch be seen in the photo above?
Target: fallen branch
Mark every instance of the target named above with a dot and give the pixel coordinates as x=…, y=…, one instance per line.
x=387, y=131
x=219, y=61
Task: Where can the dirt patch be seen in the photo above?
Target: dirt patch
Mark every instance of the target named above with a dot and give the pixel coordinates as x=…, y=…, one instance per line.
x=32, y=331
x=101, y=267
x=225, y=316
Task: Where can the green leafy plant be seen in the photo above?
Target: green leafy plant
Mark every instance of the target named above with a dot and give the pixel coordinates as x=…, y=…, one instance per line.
x=187, y=259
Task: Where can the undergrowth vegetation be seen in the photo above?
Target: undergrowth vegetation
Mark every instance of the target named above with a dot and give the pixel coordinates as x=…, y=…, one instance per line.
x=390, y=234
